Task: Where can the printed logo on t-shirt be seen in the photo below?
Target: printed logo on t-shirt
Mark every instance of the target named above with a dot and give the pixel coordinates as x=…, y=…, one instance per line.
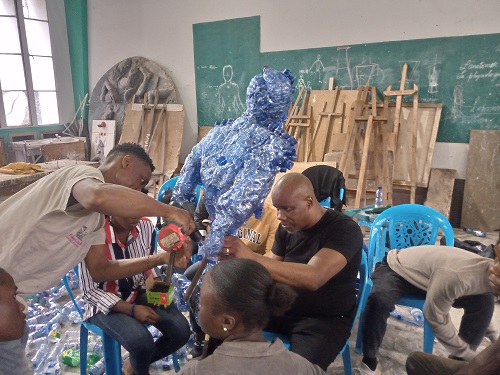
x=250, y=235
x=77, y=238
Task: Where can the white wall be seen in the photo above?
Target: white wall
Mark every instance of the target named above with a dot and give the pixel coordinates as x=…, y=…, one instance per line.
x=161, y=30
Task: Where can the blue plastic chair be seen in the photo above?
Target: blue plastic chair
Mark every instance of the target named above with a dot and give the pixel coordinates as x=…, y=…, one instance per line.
x=170, y=184
x=364, y=286
x=407, y=225
x=111, y=348
x=327, y=201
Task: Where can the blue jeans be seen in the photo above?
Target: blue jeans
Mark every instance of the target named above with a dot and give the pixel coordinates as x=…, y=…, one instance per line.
x=136, y=338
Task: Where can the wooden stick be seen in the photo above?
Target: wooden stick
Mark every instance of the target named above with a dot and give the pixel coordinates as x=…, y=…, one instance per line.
x=170, y=269
x=196, y=278
x=414, y=147
x=361, y=190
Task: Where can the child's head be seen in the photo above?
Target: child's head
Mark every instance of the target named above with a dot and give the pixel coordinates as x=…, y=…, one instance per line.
x=12, y=319
x=237, y=298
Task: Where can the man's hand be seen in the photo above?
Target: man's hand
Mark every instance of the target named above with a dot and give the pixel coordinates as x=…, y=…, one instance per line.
x=182, y=255
x=235, y=248
x=494, y=277
x=181, y=217
x=145, y=314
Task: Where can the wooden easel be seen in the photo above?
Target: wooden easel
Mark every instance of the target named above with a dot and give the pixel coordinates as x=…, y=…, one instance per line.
x=397, y=118
x=325, y=118
x=356, y=110
x=298, y=125
x=374, y=131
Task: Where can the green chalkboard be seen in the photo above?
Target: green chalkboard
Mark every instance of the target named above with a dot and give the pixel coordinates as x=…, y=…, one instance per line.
x=462, y=73
x=226, y=57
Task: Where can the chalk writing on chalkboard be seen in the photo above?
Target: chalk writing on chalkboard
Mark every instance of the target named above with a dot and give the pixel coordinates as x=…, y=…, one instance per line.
x=462, y=73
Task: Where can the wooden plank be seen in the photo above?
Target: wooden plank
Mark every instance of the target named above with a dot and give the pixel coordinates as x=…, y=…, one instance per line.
x=352, y=130
x=481, y=193
x=169, y=157
x=324, y=111
x=440, y=190
x=427, y=126
x=132, y=123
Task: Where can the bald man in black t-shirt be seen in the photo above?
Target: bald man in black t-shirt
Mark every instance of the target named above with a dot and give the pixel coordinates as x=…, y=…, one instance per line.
x=318, y=252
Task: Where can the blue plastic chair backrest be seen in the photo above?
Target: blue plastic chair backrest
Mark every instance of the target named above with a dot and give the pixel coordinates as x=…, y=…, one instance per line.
x=170, y=184
x=364, y=286
x=407, y=225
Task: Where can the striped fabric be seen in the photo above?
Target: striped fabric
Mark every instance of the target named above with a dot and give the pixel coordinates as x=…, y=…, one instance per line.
x=101, y=297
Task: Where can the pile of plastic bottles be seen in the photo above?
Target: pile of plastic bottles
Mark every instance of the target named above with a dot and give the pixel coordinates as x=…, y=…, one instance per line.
x=167, y=363
x=54, y=338
x=47, y=346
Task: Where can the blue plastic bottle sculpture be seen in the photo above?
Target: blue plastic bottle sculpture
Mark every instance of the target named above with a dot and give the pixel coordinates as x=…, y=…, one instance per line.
x=237, y=160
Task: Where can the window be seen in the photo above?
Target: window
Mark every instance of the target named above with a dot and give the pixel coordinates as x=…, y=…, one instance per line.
x=27, y=79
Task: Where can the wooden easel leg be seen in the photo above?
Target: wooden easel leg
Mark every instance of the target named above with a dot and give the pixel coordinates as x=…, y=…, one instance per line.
x=361, y=190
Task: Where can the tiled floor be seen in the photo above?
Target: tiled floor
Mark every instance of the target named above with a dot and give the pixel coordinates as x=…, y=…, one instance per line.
x=400, y=340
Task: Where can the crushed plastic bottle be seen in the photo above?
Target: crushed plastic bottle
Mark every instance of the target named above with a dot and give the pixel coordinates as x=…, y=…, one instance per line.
x=52, y=366
x=418, y=316
x=413, y=320
x=98, y=368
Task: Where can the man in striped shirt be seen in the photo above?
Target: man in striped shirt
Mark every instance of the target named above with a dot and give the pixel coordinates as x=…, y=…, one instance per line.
x=120, y=307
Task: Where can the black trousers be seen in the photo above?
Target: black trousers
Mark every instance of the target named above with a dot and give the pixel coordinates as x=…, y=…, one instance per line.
x=389, y=287
x=319, y=340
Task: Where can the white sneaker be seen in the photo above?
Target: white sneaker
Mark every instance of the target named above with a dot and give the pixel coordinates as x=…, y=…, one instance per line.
x=365, y=370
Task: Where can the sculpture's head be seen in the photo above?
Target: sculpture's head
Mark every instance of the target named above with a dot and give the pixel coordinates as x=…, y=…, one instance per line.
x=269, y=95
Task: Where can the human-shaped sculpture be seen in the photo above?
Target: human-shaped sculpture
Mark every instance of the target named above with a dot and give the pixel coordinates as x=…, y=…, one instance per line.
x=237, y=161
x=230, y=104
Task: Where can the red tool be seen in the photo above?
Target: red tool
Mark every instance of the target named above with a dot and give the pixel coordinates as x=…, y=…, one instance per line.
x=170, y=238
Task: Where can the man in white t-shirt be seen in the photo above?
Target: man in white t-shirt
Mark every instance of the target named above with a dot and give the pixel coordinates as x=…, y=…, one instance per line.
x=48, y=227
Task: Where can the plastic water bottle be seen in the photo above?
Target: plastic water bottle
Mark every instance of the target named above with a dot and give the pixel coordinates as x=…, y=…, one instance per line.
x=418, y=316
x=40, y=356
x=97, y=369
x=36, y=344
x=379, y=197
x=53, y=367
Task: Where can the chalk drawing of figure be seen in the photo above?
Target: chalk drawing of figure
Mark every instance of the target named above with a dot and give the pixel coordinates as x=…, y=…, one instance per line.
x=433, y=81
x=316, y=69
x=230, y=105
x=301, y=83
